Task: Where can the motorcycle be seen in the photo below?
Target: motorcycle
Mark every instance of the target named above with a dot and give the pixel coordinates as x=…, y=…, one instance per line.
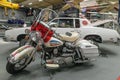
x=54, y=48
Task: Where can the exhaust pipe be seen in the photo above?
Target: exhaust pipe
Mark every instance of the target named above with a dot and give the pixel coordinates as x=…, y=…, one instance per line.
x=58, y=62
x=52, y=66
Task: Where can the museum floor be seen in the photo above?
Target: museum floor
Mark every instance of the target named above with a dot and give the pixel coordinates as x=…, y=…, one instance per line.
x=106, y=67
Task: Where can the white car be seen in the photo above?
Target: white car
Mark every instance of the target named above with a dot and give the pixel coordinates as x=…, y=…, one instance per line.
x=108, y=23
x=65, y=24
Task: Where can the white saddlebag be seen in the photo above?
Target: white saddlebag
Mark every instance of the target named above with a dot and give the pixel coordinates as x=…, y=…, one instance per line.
x=88, y=49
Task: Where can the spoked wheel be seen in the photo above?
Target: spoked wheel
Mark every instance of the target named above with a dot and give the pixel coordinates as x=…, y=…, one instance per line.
x=18, y=66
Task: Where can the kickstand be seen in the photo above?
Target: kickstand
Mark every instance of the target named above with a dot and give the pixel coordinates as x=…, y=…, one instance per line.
x=51, y=74
x=103, y=55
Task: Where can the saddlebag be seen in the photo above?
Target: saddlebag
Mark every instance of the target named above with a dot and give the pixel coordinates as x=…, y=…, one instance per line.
x=88, y=49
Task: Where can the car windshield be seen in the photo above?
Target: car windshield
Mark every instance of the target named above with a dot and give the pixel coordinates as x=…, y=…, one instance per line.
x=63, y=23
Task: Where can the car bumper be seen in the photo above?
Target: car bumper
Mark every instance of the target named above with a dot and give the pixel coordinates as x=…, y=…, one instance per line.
x=8, y=39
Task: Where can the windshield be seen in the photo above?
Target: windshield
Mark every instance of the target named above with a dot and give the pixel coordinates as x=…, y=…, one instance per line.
x=46, y=15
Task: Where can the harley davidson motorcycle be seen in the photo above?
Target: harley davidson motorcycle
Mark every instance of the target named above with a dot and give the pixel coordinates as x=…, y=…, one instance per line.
x=54, y=48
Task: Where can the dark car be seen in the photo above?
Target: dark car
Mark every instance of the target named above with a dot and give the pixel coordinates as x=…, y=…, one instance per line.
x=3, y=27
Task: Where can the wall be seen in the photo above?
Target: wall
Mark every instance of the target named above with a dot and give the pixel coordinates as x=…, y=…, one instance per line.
x=18, y=14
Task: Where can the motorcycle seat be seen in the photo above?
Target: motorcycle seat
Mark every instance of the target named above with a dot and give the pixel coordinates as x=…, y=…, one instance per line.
x=69, y=36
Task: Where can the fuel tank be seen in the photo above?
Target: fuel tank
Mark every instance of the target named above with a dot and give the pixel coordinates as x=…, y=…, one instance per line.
x=53, y=42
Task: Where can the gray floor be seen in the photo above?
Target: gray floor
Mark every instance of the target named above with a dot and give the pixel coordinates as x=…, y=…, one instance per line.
x=104, y=68
x=2, y=32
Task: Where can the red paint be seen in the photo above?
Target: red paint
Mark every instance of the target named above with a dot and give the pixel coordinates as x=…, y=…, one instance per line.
x=14, y=54
x=27, y=46
x=43, y=30
x=118, y=78
x=84, y=22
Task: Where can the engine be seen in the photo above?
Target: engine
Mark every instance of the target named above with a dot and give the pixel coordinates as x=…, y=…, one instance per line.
x=66, y=49
x=62, y=54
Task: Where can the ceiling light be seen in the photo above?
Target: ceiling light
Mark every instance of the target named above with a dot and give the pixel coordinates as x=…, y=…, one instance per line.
x=22, y=5
x=29, y=3
x=40, y=0
x=30, y=8
x=86, y=0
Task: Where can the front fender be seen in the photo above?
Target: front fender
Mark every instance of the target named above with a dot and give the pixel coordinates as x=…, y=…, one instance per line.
x=21, y=52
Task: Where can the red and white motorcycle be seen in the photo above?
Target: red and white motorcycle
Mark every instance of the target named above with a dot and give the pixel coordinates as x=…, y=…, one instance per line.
x=54, y=48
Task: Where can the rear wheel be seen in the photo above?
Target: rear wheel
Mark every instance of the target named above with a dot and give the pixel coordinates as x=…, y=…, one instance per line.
x=94, y=38
x=18, y=66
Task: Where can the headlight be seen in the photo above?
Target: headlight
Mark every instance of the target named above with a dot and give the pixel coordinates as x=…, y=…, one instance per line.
x=35, y=36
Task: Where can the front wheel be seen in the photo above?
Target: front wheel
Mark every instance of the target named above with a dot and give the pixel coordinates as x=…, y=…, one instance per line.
x=17, y=67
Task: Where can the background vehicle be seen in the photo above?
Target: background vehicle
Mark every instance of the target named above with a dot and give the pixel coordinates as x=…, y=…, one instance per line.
x=64, y=24
x=108, y=23
x=3, y=27
x=86, y=29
